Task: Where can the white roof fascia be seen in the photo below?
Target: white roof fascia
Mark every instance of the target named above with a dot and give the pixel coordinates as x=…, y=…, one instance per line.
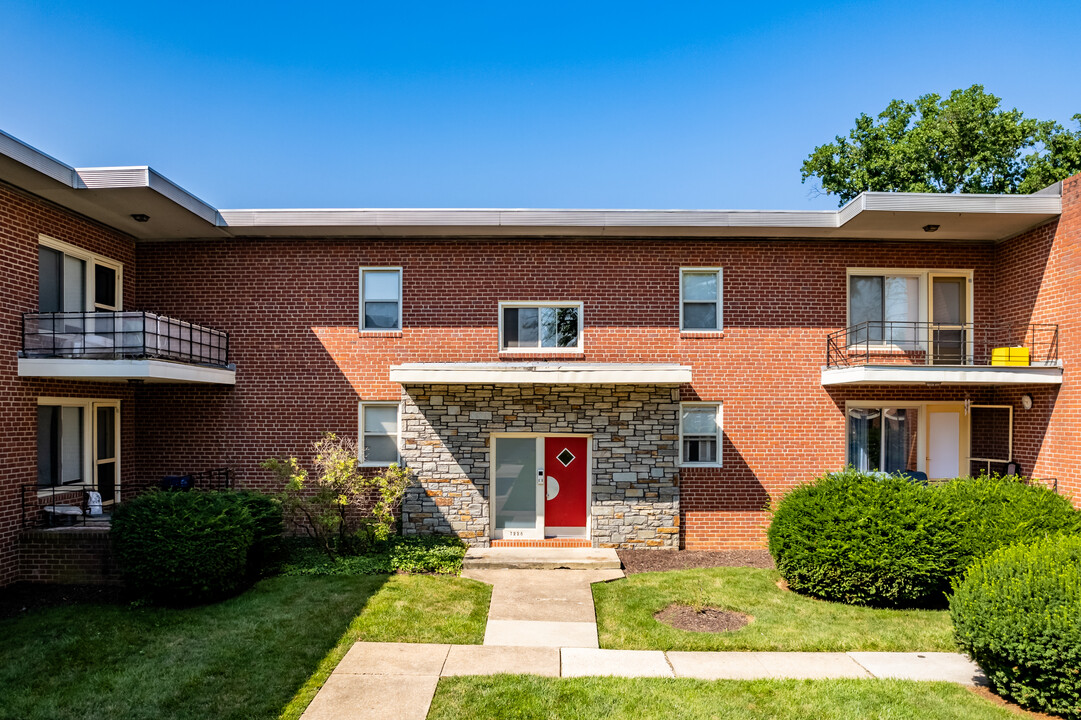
x=142, y=176
x=16, y=149
x=539, y=373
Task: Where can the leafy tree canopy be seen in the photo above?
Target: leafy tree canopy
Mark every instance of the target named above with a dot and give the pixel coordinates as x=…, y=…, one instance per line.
x=964, y=143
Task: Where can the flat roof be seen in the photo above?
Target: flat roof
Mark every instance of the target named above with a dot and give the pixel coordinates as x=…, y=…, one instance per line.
x=111, y=195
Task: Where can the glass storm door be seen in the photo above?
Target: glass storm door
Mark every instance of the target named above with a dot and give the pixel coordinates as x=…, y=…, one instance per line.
x=948, y=313
x=516, y=497
x=105, y=452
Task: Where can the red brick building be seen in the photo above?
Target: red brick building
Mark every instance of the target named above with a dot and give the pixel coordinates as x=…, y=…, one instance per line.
x=618, y=378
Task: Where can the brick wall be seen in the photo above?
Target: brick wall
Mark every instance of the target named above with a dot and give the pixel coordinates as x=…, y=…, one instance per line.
x=70, y=556
x=22, y=218
x=291, y=306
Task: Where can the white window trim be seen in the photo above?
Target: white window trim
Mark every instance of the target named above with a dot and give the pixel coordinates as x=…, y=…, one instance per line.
x=925, y=275
x=91, y=259
x=401, y=299
x=397, y=432
x=539, y=304
x=89, y=444
x=719, y=406
x=720, y=299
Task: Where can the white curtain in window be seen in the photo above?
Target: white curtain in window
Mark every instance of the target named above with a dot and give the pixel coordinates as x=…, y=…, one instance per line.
x=901, y=306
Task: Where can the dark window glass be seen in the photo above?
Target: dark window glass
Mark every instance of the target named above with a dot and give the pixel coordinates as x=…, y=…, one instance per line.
x=510, y=327
x=106, y=433
x=50, y=280
x=48, y=445
x=380, y=316
x=700, y=316
x=105, y=286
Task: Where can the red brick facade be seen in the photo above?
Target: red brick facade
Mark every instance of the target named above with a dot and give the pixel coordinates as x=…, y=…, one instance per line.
x=291, y=307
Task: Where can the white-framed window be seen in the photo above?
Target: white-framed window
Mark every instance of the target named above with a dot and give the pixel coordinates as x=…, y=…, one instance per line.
x=380, y=298
x=378, y=442
x=540, y=326
x=910, y=308
x=700, y=433
x=71, y=279
x=78, y=444
x=883, y=438
x=701, y=299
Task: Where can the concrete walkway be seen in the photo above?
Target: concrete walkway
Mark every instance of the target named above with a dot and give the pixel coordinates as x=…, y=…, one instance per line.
x=542, y=608
x=397, y=681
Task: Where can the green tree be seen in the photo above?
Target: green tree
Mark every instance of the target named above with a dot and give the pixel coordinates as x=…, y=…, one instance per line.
x=963, y=143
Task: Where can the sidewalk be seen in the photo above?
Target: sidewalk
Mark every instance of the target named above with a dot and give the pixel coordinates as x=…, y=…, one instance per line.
x=397, y=681
x=542, y=622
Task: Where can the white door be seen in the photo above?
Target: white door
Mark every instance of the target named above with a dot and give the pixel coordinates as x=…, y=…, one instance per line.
x=944, y=444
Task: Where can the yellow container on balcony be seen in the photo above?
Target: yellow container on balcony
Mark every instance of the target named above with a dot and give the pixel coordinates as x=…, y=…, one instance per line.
x=1010, y=356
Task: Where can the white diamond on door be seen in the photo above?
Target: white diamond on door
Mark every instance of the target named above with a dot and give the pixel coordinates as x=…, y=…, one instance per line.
x=566, y=457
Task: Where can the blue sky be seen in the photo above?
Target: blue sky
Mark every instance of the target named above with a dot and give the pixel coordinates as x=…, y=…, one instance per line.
x=508, y=104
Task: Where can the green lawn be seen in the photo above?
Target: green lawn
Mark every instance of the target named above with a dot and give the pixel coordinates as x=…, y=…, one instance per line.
x=513, y=697
x=242, y=658
x=783, y=620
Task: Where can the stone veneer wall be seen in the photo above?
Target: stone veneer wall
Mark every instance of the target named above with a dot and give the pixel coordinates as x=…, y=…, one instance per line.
x=445, y=438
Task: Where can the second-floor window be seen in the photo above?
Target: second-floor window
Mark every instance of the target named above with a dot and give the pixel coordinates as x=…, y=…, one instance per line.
x=71, y=279
x=381, y=298
x=700, y=299
x=540, y=326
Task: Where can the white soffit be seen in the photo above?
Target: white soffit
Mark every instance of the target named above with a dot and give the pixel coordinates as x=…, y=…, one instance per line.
x=539, y=373
x=939, y=375
x=150, y=371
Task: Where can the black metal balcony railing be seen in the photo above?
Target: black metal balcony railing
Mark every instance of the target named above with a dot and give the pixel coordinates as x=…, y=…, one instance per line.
x=122, y=335
x=925, y=343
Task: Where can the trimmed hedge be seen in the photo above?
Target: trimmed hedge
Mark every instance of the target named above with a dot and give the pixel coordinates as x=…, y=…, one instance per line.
x=1018, y=616
x=870, y=539
x=865, y=540
x=992, y=512
x=183, y=547
x=267, y=549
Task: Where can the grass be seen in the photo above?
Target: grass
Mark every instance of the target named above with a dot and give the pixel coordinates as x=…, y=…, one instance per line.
x=783, y=620
x=512, y=697
x=242, y=658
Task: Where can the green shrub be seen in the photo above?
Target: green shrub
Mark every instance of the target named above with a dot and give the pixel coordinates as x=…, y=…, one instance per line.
x=866, y=540
x=267, y=549
x=183, y=547
x=1017, y=614
x=992, y=512
x=437, y=554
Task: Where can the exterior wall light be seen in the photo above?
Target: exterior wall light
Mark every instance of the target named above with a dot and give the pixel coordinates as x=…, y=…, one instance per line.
x=141, y=217
x=930, y=228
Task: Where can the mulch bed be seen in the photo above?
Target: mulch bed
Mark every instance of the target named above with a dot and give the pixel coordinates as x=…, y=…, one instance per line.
x=26, y=597
x=638, y=561
x=988, y=694
x=708, y=619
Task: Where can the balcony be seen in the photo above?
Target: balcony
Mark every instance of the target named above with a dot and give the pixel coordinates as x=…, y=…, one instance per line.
x=925, y=353
x=123, y=346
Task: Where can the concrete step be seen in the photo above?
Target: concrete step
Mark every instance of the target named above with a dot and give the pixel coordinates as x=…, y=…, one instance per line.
x=510, y=558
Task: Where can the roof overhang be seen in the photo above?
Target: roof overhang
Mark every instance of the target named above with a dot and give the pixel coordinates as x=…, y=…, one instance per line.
x=539, y=373
x=111, y=195
x=942, y=375
x=150, y=371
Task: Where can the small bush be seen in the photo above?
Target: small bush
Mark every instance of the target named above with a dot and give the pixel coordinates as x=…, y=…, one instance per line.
x=436, y=554
x=183, y=547
x=267, y=549
x=1017, y=614
x=866, y=540
x=992, y=512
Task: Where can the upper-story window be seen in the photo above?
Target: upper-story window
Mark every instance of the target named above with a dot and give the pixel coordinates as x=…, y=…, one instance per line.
x=701, y=292
x=381, y=298
x=71, y=279
x=540, y=326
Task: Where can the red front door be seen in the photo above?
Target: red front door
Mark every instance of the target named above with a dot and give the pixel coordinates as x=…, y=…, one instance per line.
x=566, y=475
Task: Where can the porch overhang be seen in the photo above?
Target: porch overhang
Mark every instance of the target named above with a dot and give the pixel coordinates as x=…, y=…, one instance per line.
x=120, y=370
x=943, y=375
x=540, y=373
